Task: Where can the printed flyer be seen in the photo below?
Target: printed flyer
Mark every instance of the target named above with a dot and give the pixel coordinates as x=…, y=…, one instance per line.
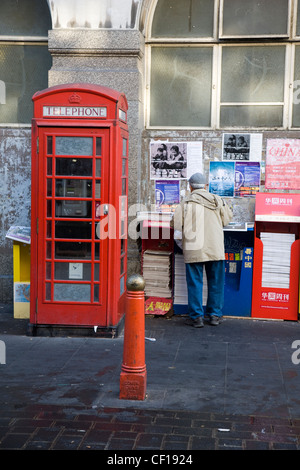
x=175, y=160
x=167, y=195
x=283, y=164
x=246, y=147
x=222, y=178
x=247, y=178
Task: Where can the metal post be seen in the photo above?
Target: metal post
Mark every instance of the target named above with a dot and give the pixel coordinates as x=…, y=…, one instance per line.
x=133, y=371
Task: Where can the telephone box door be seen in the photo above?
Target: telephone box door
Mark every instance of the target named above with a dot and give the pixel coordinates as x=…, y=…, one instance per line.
x=72, y=191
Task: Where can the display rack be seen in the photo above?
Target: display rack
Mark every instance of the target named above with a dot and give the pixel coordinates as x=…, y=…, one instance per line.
x=276, y=256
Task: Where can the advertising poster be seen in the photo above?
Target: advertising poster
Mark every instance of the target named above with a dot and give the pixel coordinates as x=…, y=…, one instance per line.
x=246, y=147
x=21, y=291
x=283, y=164
x=175, y=160
x=247, y=178
x=222, y=178
x=167, y=195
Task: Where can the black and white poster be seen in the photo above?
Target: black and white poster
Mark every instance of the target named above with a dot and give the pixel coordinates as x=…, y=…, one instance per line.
x=242, y=147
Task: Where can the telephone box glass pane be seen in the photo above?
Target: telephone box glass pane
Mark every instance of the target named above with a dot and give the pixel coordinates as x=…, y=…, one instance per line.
x=49, y=187
x=72, y=292
x=98, y=189
x=49, y=144
x=48, y=250
x=73, y=188
x=73, y=209
x=74, y=167
x=98, y=145
x=48, y=271
x=124, y=152
x=74, y=146
x=98, y=168
x=49, y=166
x=97, y=251
x=49, y=208
x=48, y=291
x=72, y=250
x=78, y=230
x=96, y=271
x=49, y=228
x=124, y=187
x=124, y=166
x=96, y=293
x=72, y=270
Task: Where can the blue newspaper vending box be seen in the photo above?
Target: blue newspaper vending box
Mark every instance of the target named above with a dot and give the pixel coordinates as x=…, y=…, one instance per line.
x=238, y=240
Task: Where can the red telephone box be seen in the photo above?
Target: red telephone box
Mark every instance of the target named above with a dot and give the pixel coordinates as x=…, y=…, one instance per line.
x=79, y=208
x=276, y=256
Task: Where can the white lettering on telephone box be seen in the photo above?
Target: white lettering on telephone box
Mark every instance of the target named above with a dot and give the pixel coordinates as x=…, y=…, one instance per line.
x=74, y=111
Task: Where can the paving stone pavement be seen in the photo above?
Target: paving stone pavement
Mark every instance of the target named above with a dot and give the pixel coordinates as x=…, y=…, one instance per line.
x=231, y=387
x=50, y=427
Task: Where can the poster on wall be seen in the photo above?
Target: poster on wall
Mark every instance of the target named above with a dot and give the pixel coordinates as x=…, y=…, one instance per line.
x=247, y=178
x=222, y=178
x=167, y=195
x=175, y=160
x=283, y=164
x=246, y=147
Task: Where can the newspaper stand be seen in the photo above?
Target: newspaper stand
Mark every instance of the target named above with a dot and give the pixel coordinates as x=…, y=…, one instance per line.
x=278, y=214
x=156, y=235
x=79, y=209
x=238, y=239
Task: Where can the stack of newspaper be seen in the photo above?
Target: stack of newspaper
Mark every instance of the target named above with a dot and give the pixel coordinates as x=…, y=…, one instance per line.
x=276, y=259
x=157, y=273
x=180, y=287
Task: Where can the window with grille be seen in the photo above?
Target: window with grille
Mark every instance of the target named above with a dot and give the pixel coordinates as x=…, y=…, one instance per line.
x=224, y=63
x=24, y=57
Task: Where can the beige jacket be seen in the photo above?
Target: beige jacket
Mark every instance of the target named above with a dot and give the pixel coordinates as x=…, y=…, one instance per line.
x=201, y=217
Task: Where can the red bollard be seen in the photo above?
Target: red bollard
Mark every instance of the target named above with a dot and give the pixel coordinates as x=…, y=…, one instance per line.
x=133, y=371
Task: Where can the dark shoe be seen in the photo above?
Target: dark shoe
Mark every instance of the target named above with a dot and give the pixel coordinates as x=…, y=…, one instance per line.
x=197, y=323
x=214, y=320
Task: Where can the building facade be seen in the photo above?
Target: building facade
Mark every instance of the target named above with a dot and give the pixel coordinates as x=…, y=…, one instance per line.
x=192, y=71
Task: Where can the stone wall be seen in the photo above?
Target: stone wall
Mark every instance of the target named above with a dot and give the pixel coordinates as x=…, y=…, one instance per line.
x=15, y=177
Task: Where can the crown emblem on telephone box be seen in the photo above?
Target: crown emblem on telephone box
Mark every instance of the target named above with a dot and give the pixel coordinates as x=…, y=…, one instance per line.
x=75, y=98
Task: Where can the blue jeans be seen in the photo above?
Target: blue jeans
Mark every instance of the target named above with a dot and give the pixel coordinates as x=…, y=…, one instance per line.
x=215, y=273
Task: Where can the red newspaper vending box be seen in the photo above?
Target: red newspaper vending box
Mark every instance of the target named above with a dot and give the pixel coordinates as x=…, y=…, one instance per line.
x=276, y=256
x=79, y=208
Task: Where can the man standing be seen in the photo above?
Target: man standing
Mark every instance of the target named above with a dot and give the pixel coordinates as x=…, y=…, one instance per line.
x=200, y=219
